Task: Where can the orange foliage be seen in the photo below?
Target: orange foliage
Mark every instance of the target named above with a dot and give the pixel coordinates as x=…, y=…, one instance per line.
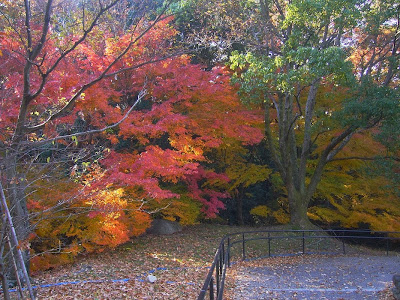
x=82, y=224
x=188, y=109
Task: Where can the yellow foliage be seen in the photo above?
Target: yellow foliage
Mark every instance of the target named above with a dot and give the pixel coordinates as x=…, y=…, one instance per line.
x=263, y=214
x=260, y=210
x=104, y=220
x=281, y=216
x=246, y=174
x=356, y=201
x=186, y=210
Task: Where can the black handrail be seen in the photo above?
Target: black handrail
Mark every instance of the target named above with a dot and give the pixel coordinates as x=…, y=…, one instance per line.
x=222, y=258
x=220, y=262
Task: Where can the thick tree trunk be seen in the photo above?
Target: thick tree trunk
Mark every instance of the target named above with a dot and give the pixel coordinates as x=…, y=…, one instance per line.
x=298, y=205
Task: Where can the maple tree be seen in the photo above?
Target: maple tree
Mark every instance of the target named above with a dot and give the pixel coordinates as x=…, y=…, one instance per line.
x=53, y=57
x=127, y=164
x=112, y=128
x=155, y=167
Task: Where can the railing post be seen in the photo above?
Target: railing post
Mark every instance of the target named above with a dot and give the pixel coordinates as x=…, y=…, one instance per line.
x=228, y=253
x=217, y=273
x=212, y=288
x=343, y=246
x=269, y=244
x=221, y=259
x=387, y=246
x=243, y=246
x=223, y=252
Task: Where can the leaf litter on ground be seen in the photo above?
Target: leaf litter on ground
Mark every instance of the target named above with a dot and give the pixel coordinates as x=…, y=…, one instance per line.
x=179, y=261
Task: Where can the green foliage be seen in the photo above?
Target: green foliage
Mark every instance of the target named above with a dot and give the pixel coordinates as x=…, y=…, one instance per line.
x=319, y=84
x=371, y=104
x=314, y=14
x=307, y=65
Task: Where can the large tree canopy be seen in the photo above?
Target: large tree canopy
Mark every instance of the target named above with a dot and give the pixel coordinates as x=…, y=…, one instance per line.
x=105, y=126
x=56, y=57
x=326, y=72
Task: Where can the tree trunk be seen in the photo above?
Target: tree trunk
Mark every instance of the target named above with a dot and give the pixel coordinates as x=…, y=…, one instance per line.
x=239, y=210
x=298, y=205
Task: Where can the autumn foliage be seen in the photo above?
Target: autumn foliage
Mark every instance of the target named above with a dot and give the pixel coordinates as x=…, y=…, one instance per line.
x=120, y=127
x=153, y=164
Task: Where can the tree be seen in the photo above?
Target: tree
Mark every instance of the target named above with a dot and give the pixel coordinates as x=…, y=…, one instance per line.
x=244, y=168
x=297, y=50
x=135, y=145
x=310, y=53
x=155, y=163
x=193, y=112
x=53, y=60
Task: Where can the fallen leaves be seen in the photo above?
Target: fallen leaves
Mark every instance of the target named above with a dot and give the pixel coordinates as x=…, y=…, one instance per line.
x=179, y=262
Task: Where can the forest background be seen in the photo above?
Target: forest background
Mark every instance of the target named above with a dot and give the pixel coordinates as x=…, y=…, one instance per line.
x=114, y=113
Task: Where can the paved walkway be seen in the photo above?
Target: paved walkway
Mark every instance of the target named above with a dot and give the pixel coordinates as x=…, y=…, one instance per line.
x=317, y=277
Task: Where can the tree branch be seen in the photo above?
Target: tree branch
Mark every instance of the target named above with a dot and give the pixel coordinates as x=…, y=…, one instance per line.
x=103, y=75
x=46, y=23
x=73, y=47
x=88, y=85
x=140, y=97
x=270, y=140
x=339, y=147
x=28, y=25
x=309, y=113
x=315, y=178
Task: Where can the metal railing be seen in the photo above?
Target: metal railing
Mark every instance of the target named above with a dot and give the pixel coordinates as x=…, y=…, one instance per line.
x=311, y=241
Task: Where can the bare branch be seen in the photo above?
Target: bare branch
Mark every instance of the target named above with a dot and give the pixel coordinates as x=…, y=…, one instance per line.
x=28, y=24
x=103, y=75
x=73, y=47
x=14, y=239
x=339, y=147
x=46, y=23
x=140, y=97
x=317, y=136
x=270, y=139
x=315, y=178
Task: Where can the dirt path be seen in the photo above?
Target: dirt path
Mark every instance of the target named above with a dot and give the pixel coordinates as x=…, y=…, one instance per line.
x=316, y=277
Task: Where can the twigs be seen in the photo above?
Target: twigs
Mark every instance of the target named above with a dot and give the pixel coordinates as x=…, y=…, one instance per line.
x=14, y=240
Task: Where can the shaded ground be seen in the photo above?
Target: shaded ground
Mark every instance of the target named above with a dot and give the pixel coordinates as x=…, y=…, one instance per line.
x=316, y=277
